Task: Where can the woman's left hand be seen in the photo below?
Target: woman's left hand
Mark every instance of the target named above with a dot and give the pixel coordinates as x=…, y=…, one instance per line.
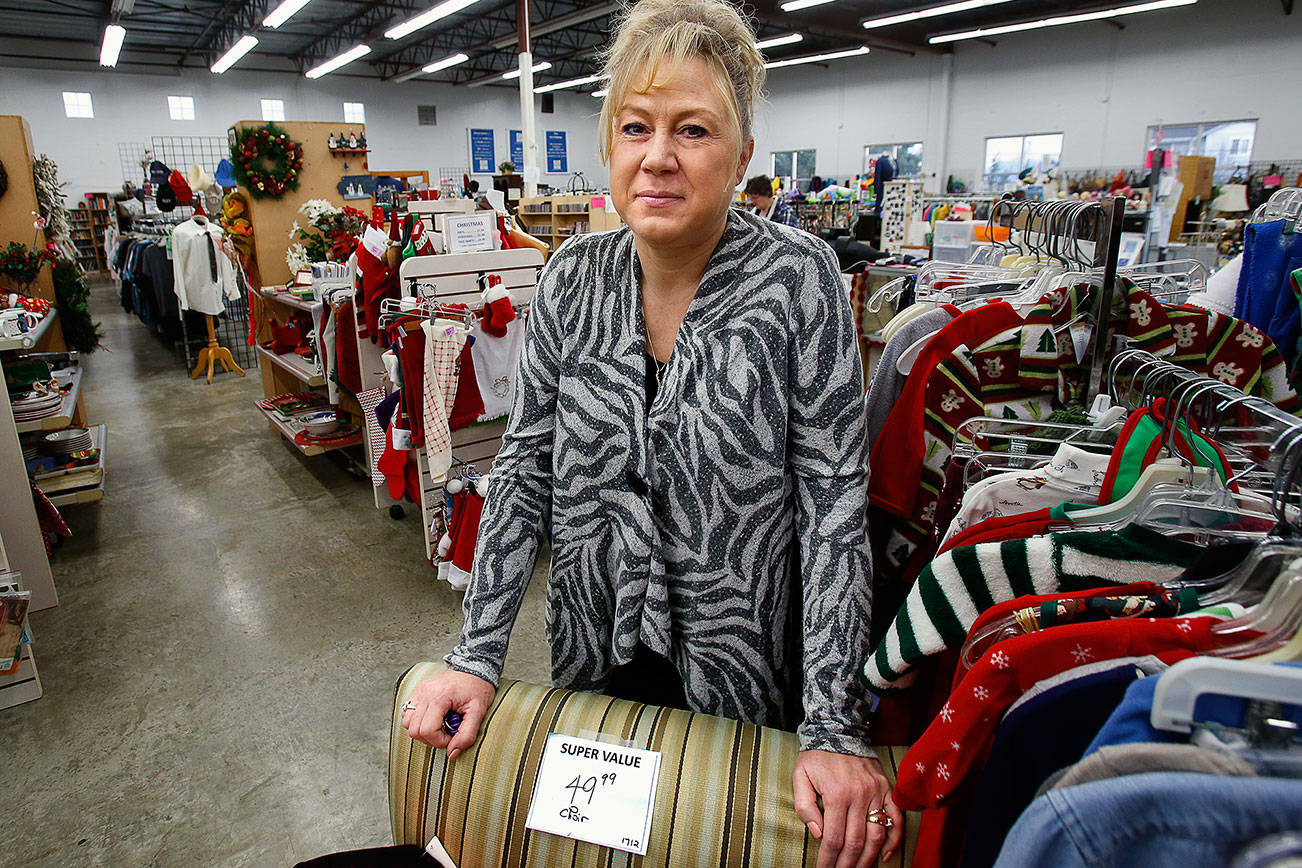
x=850, y=787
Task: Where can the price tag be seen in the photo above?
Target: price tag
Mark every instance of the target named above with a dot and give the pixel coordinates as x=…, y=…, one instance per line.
x=595, y=792
x=1081, y=335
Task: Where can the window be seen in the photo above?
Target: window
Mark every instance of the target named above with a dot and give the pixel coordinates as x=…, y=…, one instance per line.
x=354, y=112
x=273, y=109
x=1009, y=156
x=795, y=168
x=77, y=104
x=1230, y=142
x=907, y=157
x=181, y=108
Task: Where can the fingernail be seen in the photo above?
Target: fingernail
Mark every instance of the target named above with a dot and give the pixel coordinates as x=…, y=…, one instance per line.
x=452, y=754
x=815, y=830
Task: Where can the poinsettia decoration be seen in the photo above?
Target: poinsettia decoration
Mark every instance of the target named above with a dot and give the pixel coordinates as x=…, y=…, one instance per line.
x=20, y=263
x=256, y=147
x=331, y=236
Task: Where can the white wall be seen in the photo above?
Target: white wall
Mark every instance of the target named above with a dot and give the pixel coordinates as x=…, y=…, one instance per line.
x=1100, y=86
x=133, y=108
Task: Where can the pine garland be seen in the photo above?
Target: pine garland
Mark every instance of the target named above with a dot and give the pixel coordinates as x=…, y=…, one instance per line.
x=72, y=295
x=255, y=145
x=49, y=198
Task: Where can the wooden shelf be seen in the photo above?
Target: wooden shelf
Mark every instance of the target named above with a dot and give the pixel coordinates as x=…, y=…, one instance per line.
x=288, y=433
x=83, y=486
x=289, y=300
x=296, y=366
x=61, y=419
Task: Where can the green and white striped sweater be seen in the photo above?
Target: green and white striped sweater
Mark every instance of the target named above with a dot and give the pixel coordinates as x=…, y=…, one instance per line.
x=962, y=583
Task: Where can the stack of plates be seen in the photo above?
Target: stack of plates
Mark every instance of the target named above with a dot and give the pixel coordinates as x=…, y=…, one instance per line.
x=29, y=406
x=29, y=450
x=66, y=442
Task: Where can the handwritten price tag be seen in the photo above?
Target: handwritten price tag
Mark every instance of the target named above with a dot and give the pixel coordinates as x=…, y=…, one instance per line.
x=595, y=792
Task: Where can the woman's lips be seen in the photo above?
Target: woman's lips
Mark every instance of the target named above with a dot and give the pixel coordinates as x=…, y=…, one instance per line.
x=658, y=199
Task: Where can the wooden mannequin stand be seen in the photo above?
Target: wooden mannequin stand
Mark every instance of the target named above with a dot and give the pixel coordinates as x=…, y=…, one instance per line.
x=215, y=352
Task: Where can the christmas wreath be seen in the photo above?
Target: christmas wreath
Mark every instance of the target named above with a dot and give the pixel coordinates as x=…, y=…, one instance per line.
x=251, y=150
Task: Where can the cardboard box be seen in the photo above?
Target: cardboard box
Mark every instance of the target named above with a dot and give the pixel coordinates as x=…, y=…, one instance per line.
x=1196, y=175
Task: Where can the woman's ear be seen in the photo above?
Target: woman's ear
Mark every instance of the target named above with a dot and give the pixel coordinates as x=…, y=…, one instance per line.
x=747, y=151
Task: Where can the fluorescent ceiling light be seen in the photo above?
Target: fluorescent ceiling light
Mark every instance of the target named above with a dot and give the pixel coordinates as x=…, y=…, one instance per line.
x=236, y=51
x=282, y=13
x=600, y=94
x=445, y=63
x=537, y=67
x=574, y=82
x=428, y=17
x=934, y=11
x=797, y=5
x=108, y=52
x=1060, y=20
x=789, y=39
x=817, y=58
x=338, y=62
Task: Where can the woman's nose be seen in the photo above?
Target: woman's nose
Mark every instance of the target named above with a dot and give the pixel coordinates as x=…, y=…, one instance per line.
x=660, y=156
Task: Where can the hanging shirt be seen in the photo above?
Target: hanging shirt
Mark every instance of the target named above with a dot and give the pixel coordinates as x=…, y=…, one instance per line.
x=961, y=584
x=1234, y=352
x=1072, y=475
x=202, y=274
x=723, y=528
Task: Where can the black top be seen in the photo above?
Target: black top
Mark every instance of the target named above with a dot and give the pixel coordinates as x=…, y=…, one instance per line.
x=653, y=367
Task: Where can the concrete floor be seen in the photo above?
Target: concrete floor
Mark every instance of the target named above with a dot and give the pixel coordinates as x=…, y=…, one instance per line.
x=232, y=619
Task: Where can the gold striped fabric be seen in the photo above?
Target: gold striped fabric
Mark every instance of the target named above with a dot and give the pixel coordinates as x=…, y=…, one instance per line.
x=723, y=798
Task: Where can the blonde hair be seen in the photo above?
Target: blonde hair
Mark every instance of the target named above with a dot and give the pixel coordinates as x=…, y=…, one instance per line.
x=654, y=39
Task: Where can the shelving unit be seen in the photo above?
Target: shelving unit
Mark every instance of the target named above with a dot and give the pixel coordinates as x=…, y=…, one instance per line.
x=29, y=339
x=296, y=365
x=89, y=220
x=288, y=430
x=67, y=411
x=555, y=218
x=82, y=485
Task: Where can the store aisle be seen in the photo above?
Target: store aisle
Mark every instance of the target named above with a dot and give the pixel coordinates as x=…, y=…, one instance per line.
x=232, y=620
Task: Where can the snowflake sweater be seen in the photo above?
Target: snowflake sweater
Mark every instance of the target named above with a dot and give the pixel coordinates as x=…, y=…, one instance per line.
x=959, y=736
x=962, y=583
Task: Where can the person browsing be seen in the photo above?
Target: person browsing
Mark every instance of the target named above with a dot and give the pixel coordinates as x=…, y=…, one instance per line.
x=690, y=425
x=759, y=192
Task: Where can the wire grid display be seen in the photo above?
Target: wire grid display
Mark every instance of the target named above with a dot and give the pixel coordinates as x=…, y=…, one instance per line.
x=131, y=154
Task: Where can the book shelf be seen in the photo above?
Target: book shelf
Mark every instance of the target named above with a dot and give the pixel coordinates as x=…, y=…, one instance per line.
x=89, y=220
x=555, y=218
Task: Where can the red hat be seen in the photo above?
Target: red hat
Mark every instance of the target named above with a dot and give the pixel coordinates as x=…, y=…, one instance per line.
x=181, y=187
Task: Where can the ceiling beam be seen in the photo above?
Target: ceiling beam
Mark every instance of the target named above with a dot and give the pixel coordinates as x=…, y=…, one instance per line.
x=542, y=29
x=830, y=24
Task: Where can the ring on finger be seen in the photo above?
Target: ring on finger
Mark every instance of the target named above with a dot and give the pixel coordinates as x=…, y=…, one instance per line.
x=409, y=705
x=881, y=818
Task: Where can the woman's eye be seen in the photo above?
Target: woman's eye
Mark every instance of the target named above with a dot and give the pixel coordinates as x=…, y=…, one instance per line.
x=694, y=131
x=633, y=129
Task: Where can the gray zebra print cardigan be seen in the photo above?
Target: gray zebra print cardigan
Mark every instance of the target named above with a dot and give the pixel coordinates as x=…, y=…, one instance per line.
x=726, y=526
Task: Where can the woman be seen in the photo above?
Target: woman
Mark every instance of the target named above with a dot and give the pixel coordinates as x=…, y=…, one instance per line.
x=690, y=422
x=759, y=192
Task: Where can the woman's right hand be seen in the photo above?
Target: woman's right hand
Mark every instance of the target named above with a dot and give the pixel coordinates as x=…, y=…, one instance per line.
x=434, y=697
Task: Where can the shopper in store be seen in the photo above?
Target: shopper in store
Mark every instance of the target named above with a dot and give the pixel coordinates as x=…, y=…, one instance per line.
x=759, y=192
x=690, y=424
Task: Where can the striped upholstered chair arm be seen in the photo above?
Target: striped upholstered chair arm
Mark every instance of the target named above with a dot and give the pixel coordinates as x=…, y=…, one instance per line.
x=723, y=798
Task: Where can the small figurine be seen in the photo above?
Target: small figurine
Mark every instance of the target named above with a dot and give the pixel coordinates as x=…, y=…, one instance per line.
x=333, y=142
x=361, y=140
x=352, y=140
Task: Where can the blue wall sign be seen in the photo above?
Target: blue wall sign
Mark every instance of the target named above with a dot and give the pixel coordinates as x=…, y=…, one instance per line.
x=558, y=163
x=483, y=161
x=517, y=149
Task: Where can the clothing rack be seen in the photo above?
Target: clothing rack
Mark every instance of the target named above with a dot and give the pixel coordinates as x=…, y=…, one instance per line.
x=1071, y=222
x=435, y=283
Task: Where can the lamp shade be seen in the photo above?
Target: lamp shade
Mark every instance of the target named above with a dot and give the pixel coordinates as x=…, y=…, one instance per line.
x=1234, y=197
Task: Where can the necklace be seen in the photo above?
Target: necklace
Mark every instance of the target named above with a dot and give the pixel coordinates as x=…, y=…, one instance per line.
x=655, y=360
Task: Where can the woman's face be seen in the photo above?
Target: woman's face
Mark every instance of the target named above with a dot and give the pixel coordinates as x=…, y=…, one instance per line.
x=675, y=159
